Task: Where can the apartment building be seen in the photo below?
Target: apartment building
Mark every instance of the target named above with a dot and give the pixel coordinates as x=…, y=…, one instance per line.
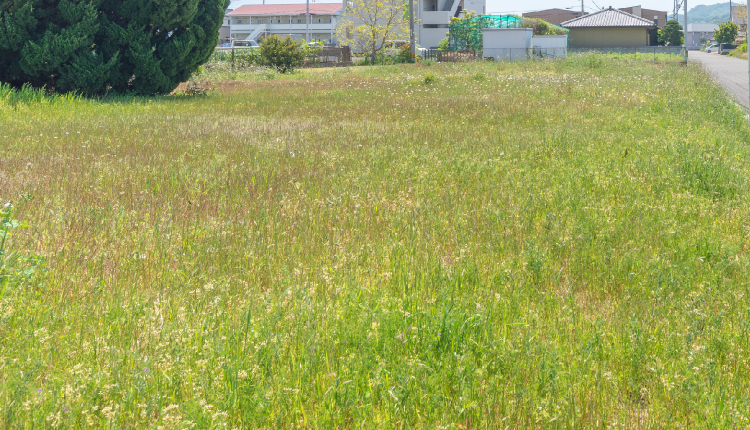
x=435, y=15
x=697, y=32
x=252, y=22
x=224, y=32
x=739, y=17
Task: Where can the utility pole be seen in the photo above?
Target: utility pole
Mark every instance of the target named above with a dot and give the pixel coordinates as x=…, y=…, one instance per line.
x=411, y=30
x=307, y=23
x=582, y=8
x=684, y=30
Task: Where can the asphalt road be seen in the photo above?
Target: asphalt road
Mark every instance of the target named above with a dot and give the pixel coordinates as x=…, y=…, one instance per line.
x=728, y=71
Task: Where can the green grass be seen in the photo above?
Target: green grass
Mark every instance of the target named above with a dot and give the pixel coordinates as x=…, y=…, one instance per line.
x=541, y=245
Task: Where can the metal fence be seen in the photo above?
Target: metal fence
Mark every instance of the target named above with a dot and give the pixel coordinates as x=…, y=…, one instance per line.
x=501, y=54
x=446, y=56
x=248, y=55
x=332, y=55
x=524, y=54
x=535, y=53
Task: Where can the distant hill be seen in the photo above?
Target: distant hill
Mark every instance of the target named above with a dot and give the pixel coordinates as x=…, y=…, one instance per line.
x=713, y=14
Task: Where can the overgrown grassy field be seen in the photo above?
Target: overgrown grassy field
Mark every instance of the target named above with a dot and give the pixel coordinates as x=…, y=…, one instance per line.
x=542, y=245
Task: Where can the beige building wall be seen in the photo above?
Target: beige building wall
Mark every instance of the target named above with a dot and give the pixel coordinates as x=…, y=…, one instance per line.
x=553, y=16
x=608, y=37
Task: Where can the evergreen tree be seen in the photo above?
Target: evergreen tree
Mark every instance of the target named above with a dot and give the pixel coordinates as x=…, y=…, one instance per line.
x=92, y=46
x=671, y=33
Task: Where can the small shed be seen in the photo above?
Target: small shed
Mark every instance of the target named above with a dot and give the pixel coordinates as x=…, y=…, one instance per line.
x=507, y=43
x=550, y=46
x=610, y=28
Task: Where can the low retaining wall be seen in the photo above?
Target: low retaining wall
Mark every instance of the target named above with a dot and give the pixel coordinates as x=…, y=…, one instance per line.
x=677, y=50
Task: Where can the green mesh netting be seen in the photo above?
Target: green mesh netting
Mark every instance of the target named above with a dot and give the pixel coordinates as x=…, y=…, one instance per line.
x=466, y=33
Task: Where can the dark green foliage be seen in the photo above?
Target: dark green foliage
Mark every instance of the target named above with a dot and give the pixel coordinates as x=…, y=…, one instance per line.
x=726, y=33
x=671, y=33
x=712, y=13
x=284, y=55
x=92, y=46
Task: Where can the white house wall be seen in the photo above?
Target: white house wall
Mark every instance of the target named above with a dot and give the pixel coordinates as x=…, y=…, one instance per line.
x=439, y=17
x=551, y=46
x=478, y=6
x=507, y=43
x=550, y=41
x=431, y=37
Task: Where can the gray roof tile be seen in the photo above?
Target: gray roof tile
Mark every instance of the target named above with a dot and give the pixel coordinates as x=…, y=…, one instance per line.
x=702, y=27
x=608, y=18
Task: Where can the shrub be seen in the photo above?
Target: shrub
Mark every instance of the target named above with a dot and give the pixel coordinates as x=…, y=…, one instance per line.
x=198, y=87
x=312, y=50
x=543, y=28
x=14, y=267
x=381, y=59
x=284, y=55
x=93, y=46
x=404, y=54
x=246, y=58
x=740, y=52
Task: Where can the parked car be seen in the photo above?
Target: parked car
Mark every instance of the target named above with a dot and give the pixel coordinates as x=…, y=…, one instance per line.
x=246, y=44
x=712, y=47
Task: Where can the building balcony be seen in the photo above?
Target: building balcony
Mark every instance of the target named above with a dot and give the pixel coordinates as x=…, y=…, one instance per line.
x=436, y=17
x=273, y=28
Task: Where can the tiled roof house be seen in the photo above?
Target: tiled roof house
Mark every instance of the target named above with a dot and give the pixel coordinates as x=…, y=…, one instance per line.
x=610, y=28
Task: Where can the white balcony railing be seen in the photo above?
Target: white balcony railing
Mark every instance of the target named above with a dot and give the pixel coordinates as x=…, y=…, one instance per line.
x=280, y=27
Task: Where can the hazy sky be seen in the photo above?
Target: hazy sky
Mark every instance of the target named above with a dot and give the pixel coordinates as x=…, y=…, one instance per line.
x=505, y=6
